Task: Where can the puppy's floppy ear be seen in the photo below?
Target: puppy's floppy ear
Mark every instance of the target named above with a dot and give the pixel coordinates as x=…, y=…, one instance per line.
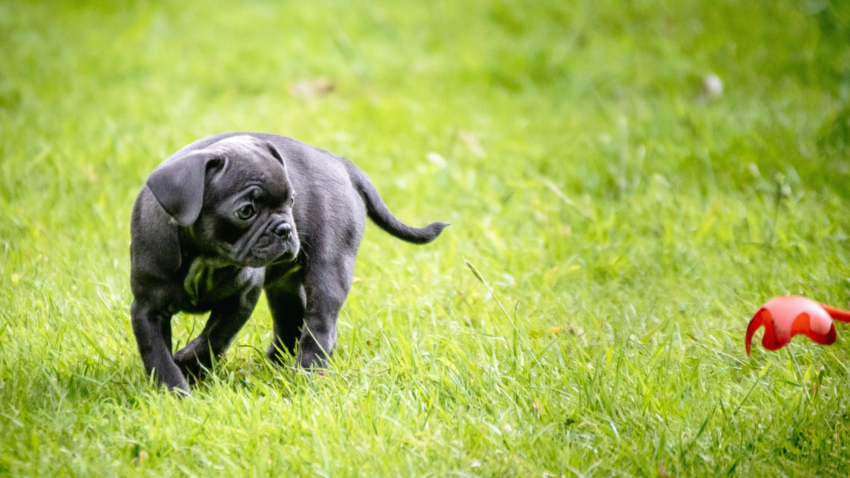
x=178, y=185
x=275, y=153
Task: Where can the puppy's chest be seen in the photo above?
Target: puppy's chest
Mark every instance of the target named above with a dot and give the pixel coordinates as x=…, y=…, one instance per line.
x=207, y=281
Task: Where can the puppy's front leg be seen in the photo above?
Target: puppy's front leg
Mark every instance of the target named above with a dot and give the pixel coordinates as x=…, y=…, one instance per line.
x=152, y=329
x=225, y=321
x=326, y=284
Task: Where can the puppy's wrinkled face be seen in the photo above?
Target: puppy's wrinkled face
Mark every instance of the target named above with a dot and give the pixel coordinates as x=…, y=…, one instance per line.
x=246, y=217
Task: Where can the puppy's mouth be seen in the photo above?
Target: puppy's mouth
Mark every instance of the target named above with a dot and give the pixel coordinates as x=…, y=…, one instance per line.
x=265, y=256
x=263, y=259
x=287, y=256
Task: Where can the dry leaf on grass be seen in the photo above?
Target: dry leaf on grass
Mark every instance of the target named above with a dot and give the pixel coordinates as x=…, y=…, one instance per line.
x=472, y=143
x=315, y=88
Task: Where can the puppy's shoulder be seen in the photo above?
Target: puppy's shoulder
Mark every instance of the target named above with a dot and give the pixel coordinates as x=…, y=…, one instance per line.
x=154, y=243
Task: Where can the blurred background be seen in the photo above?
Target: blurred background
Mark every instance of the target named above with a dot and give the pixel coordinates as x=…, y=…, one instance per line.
x=463, y=104
x=520, y=122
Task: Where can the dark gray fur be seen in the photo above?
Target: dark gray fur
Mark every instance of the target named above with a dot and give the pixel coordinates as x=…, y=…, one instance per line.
x=191, y=253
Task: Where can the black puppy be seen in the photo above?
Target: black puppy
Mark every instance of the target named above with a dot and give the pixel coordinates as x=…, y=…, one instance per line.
x=219, y=221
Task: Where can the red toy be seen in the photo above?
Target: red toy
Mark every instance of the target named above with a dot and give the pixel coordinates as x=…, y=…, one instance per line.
x=785, y=317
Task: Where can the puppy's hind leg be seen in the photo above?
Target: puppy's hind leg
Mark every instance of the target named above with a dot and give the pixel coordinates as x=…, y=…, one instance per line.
x=326, y=284
x=287, y=308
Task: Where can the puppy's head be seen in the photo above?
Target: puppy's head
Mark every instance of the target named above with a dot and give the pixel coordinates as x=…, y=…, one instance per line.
x=233, y=198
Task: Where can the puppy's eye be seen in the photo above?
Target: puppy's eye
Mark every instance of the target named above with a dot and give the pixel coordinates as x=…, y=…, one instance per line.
x=246, y=212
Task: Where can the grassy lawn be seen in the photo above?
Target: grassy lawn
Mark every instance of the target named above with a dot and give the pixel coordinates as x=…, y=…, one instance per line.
x=625, y=222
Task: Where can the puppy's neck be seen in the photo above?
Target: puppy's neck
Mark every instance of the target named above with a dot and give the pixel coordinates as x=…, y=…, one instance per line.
x=188, y=244
x=191, y=250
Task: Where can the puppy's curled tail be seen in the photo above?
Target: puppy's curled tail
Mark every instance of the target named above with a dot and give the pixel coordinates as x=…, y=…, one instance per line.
x=381, y=215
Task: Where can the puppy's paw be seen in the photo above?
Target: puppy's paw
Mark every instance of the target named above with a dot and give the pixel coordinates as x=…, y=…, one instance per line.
x=189, y=365
x=174, y=382
x=312, y=359
x=276, y=357
x=181, y=391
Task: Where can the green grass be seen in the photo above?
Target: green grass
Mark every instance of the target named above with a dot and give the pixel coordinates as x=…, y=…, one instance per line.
x=629, y=224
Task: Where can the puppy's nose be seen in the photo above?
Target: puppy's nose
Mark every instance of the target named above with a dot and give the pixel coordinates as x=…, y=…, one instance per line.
x=284, y=230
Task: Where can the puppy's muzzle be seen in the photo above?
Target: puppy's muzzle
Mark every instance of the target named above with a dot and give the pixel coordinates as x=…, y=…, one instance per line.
x=287, y=236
